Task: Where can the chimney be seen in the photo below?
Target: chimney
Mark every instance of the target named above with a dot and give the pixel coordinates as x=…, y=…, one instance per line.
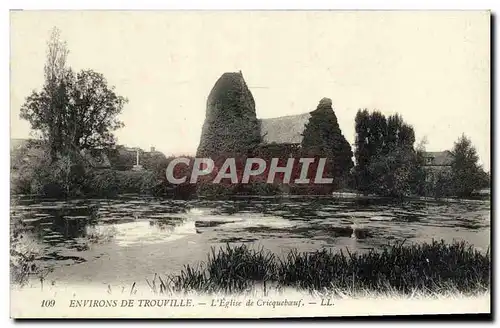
x=153, y=149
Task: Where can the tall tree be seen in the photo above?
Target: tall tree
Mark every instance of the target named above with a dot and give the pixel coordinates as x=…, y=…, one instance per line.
x=386, y=162
x=465, y=171
x=377, y=133
x=419, y=174
x=92, y=112
x=362, y=151
x=371, y=139
x=44, y=109
x=72, y=111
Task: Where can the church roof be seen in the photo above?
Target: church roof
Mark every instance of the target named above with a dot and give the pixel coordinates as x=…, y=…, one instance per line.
x=284, y=129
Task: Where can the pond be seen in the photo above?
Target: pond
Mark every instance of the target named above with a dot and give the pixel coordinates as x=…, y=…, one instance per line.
x=130, y=238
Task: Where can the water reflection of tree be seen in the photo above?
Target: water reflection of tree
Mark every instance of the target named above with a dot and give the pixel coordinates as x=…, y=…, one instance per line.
x=65, y=223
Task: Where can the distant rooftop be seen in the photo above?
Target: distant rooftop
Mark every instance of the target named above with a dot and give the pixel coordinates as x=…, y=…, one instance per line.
x=438, y=158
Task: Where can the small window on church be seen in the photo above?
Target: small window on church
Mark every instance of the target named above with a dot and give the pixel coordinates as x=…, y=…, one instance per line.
x=429, y=160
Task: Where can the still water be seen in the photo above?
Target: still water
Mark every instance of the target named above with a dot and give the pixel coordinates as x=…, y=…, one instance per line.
x=130, y=238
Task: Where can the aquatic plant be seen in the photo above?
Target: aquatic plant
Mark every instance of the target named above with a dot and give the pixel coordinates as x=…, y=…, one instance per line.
x=427, y=268
x=23, y=257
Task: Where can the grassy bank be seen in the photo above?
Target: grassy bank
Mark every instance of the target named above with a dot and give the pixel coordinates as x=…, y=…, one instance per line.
x=433, y=268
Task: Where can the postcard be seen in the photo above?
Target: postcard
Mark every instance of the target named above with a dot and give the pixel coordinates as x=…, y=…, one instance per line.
x=249, y=164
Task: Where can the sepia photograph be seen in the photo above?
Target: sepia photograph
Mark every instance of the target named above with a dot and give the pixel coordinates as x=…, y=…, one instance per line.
x=249, y=164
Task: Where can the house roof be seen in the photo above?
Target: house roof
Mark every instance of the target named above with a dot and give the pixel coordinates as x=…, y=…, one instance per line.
x=285, y=129
x=440, y=158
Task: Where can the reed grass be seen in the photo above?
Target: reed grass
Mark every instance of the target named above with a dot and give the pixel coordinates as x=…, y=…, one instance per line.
x=426, y=268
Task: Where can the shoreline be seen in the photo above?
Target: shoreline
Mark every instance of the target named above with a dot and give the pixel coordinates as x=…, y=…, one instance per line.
x=334, y=196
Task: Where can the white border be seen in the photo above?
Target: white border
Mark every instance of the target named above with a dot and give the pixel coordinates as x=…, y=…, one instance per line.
x=255, y=4
x=176, y=5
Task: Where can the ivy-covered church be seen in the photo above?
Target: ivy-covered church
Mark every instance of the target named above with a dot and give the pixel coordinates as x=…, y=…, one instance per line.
x=231, y=128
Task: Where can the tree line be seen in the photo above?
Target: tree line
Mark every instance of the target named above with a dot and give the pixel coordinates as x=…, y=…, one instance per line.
x=388, y=162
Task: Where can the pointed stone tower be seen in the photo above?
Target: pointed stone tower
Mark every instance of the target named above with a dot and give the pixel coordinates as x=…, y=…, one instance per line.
x=231, y=125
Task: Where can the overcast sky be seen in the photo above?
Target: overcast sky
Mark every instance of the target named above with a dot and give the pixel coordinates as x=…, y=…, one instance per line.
x=431, y=67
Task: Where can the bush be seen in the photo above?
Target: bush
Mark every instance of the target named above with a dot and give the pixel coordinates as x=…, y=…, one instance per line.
x=32, y=172
x=111, y=183
x=439, y=184
x=260, y=189
x=70, y=176
x=392, y=173
x=216, y=190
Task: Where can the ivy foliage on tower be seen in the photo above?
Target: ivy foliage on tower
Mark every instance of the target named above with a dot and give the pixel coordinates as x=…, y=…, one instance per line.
x=323, y=138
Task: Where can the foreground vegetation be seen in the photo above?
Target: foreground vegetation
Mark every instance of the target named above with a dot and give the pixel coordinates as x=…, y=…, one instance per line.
x=432, y=268
x=435, y=268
